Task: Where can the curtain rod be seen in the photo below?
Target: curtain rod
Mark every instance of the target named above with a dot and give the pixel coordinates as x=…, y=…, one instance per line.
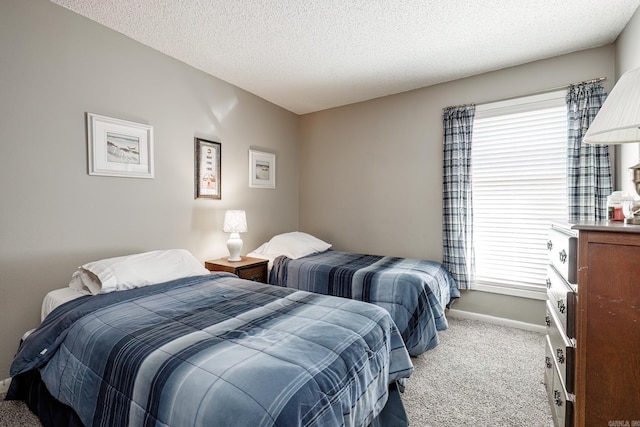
x=553, y=89
x=584, y=82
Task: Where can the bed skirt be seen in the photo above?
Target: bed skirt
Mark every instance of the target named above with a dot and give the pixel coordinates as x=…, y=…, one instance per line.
x=29, y=388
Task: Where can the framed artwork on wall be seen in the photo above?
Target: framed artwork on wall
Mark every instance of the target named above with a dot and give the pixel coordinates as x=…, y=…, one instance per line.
x=208, y=166
x=118, y=147
x=262, y=169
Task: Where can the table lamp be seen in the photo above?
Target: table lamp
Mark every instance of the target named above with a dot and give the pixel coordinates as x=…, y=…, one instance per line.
x=235, y=222
x=618, y=122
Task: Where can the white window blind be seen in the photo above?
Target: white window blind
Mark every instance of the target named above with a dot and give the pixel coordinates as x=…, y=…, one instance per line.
x=519, y=154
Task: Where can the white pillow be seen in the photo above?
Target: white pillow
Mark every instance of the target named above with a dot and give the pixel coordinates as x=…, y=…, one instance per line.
x=82, y=280
x=293, y=245
x=134, y=271
x=261, y=250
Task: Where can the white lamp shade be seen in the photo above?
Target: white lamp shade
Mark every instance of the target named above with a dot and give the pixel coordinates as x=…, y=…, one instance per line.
x=618, y=120
x=235, y=222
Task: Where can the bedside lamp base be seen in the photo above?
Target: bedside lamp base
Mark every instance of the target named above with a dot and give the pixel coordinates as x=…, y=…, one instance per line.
x=234, y=245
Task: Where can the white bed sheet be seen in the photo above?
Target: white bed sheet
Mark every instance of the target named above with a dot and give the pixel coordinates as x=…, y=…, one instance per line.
x=58, y=297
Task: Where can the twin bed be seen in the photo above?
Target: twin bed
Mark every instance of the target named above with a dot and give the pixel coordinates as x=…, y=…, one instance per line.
x=415, y=292
x=154, y=339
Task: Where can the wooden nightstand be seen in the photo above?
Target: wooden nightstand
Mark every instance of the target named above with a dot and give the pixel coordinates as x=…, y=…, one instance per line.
x=247, y=268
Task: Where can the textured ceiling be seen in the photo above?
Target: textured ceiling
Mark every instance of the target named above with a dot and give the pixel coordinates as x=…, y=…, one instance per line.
x=309, y=55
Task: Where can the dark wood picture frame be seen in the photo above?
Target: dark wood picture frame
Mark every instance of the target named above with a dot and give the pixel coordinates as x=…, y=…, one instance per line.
x=208, y=169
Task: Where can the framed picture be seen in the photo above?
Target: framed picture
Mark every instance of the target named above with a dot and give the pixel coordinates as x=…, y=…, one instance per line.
x=262, y=169
x=208, y=169
x=119, y=147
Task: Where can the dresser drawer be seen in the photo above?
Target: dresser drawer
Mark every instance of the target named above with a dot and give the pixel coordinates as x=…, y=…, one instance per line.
x=563, y=351
x=563, y=299
x=563, y=253
x=549, y=367
x=561, y=403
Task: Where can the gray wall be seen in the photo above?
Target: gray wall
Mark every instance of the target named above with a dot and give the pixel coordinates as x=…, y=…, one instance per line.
x=371, y=173
x=54, y=67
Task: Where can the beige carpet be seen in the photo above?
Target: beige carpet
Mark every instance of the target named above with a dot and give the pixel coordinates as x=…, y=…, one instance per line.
x=16, y=414
x=480, y=375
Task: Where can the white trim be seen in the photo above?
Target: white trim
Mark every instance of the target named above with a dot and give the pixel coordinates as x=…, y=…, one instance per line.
x=555, y=98
x=461, y=314
x=4, y=385
x=538, y=293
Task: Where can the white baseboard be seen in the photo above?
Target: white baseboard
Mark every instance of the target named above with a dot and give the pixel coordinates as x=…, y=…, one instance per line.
x=461, y=314
x=4, y=385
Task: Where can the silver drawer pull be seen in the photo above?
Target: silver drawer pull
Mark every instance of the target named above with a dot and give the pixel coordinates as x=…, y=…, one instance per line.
x=548, y=283
x=549, y=245
x=547, y=361
x=561, y=306
x=547, y=320
x=563, y=256
x=560, y=355
x=557, y=398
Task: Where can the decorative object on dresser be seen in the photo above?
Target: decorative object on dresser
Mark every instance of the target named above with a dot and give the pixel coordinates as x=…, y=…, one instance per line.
x=118, y=147
x=208, y=169
x=605, y=381
x=235, y=222
x=560, y=321
x=632, y=210
x=247, y=268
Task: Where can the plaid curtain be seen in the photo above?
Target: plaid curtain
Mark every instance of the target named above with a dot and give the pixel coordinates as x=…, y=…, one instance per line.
x=457, y=219
x=588, y=169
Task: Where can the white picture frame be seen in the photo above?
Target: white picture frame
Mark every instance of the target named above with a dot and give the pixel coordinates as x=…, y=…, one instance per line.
x=262, y=169
x=119, y=148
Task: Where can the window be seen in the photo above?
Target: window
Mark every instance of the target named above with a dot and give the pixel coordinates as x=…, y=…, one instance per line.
x=519, y=167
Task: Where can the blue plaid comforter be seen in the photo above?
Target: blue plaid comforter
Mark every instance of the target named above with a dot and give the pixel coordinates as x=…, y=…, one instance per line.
x=415, y=292
x=220, y=351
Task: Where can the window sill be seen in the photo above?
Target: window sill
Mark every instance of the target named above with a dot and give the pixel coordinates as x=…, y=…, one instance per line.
x=532, y=292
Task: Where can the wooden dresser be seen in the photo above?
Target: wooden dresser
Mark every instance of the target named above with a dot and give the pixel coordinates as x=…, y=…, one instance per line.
x=608, y=325
x=604, y=386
